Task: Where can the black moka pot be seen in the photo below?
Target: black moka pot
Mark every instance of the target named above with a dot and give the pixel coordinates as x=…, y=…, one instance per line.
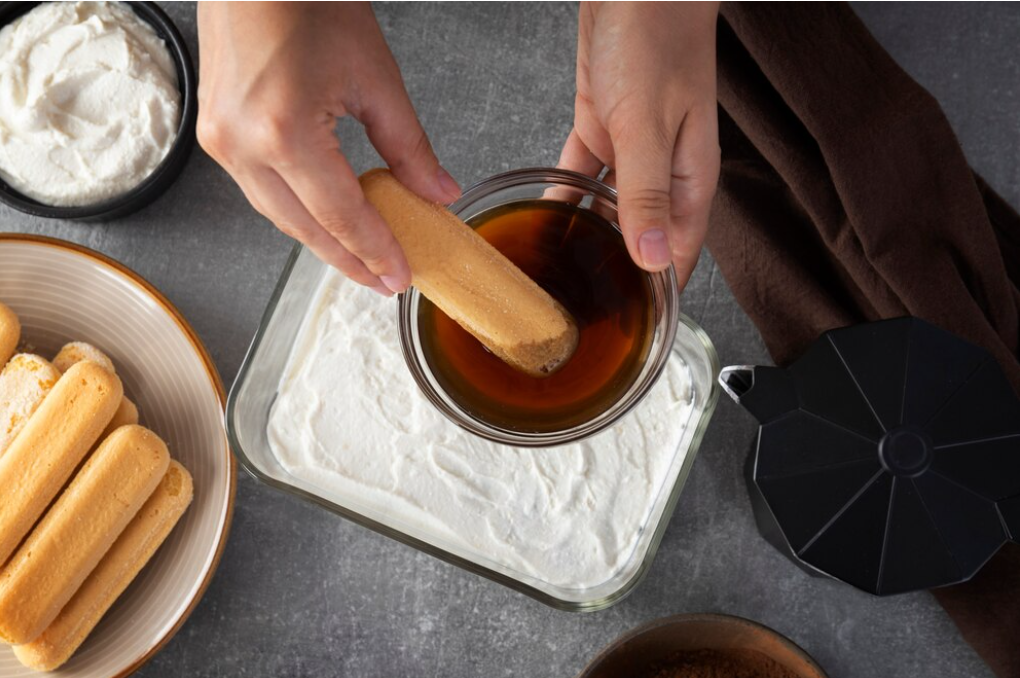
x=888, y=456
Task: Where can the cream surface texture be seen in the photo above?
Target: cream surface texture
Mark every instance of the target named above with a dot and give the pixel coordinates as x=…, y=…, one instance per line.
x=350, y=421
x=89, y=102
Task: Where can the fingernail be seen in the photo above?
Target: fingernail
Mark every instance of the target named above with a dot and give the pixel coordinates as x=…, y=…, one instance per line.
x=393, y=283
x=382, y=290
x=448, y=185
x=653, y=246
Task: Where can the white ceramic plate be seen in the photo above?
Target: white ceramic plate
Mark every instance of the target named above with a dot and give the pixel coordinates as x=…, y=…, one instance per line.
x=63, y=292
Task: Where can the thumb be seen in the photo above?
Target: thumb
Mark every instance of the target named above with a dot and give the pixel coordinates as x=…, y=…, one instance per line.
x=643, y=177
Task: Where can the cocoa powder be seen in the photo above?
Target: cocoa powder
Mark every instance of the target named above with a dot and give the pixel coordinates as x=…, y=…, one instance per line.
x=737, y=663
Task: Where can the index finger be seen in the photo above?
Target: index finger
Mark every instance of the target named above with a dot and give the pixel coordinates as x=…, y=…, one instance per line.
x=328, y=187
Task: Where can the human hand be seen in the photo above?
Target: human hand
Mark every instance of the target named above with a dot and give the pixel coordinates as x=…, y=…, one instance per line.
x=274, y=78
x=646, y=109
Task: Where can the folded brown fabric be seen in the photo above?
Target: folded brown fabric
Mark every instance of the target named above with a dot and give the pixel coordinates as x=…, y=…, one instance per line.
x=845, y=198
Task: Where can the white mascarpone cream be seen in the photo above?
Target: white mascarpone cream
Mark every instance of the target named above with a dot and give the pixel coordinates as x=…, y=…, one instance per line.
x=89, y=102
x=350, y=421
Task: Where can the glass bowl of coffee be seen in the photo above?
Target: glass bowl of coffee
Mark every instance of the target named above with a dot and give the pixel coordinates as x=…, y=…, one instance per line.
x=561, y=228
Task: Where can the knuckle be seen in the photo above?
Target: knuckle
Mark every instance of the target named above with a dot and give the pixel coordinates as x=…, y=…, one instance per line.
x=211, y=132
x=697, y=194
x=417, y=149
x=291, y=229
x=631, y=123
x=374, y=253
x=272, y=135
x=340, y=226
x=618, y=123
x=420, y=145
x=646, y=202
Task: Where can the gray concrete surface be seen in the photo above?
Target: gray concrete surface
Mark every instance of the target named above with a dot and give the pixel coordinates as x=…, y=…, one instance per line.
x=303, y=593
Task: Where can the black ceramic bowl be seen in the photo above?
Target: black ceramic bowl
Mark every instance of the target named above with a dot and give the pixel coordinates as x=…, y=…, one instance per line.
x=167, y=171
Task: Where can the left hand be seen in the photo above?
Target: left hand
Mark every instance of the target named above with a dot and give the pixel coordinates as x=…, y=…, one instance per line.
x=646, y=109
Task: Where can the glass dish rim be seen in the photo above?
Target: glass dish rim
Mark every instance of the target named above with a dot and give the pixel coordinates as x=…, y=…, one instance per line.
x=704, y=416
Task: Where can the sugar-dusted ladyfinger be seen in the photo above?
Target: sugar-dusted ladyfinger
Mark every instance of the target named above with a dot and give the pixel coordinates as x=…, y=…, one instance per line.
x=76, y=352
x=10, y=333
x=56, y=437
x=78, y=530
x=472, y=282
x=24, y=382
x=125, y=559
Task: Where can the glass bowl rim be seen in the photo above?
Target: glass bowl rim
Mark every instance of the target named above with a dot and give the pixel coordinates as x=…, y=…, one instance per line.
x=645, y=379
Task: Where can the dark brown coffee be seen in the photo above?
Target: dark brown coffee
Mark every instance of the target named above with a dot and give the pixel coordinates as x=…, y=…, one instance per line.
x=581, y=260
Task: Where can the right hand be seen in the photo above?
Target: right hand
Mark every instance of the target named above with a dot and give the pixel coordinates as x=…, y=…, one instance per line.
x=646, y=109
x=274, y=78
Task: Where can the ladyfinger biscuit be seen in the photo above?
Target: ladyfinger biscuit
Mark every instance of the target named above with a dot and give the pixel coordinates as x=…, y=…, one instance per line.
x=10, y=333
x=76, y=352
x=24, y=382
x=125, y=559
x=126, y=415
x=78, y=530
x=470, y=281
x=54, y=440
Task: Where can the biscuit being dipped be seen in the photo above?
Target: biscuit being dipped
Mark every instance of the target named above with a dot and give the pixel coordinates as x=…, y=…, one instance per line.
x=50, y=446
x=472, y=282
x=118, y=568
x=77, y=531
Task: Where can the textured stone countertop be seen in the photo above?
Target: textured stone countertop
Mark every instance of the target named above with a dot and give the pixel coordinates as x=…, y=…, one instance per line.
x=301, y=592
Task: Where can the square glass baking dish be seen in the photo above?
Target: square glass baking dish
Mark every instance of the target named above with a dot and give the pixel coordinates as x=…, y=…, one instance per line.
x=256, y=388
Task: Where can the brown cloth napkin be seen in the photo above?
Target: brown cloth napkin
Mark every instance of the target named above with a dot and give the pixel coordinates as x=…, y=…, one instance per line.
x=845, y=198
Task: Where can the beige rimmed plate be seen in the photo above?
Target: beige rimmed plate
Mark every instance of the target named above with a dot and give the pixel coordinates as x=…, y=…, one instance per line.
x=64, y=292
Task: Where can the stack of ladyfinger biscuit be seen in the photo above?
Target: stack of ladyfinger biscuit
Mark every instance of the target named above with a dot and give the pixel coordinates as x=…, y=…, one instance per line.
x=86, y=496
